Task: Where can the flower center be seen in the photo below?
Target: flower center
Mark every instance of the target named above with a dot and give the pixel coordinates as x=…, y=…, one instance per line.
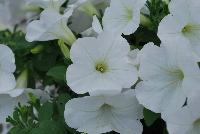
x=102, y=67
x=187, y=29
x=106, y=107
x=178, y=74
x=197, y=122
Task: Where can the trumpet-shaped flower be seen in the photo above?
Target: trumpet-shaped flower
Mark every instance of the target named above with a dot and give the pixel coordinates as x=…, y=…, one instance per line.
x=101, y=114
x=123, y=16
x=100, y=64
x=182, y=24
x=7, y=68
x=53, y=4
x=185, y=120
x=169, y=74
x=51, y=26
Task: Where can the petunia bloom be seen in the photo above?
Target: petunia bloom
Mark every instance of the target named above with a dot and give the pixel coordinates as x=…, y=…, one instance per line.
x=101, y=114
x=169, y=75
x=100, y=64
x=52, y=25
x=182, y=24
x=123, y=16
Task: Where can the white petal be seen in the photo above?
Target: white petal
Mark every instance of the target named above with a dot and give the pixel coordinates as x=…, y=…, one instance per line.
x=15, y=92
x=170, y=28
x=51, y=25
x=182, y=13
x=86, y=114
x=7, y=82
x=96, y=25
x=85, y=51
x=123, y=16
x=128, y=107
x=80, y=112
x=127, y=126
x=7, y=59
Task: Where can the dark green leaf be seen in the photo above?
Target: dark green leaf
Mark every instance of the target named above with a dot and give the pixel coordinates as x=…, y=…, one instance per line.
x=150, y=117
x=58, y=73
x=46, y=111
x=48, y=127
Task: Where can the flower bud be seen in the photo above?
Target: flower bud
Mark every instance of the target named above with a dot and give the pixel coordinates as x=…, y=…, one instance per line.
x=37, y=49
x=64, y=49
x=22, y=80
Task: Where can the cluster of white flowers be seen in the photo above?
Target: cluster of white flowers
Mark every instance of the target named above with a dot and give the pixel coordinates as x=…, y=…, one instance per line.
x=118, y=82
x=104, y=66
x=100, y=63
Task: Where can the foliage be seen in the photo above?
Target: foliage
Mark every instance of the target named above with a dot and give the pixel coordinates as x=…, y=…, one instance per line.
x=36, y=118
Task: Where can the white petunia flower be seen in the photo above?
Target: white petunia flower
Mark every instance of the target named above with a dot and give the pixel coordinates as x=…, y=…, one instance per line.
x=7, y=103
x=185, y=120
x=100, y=64
x=53, y=4
x=169, y=75
x=182, y=24
x=7, y=68
x=123, y=16
x=51, y=26
x=100, y=114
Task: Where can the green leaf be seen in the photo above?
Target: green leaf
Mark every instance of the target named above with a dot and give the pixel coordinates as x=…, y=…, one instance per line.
x=48, y=127
x=58, y=73
x=46, y=111
x=165, y=131
x=62, y=100
x=18, y=130
x=150, y=117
